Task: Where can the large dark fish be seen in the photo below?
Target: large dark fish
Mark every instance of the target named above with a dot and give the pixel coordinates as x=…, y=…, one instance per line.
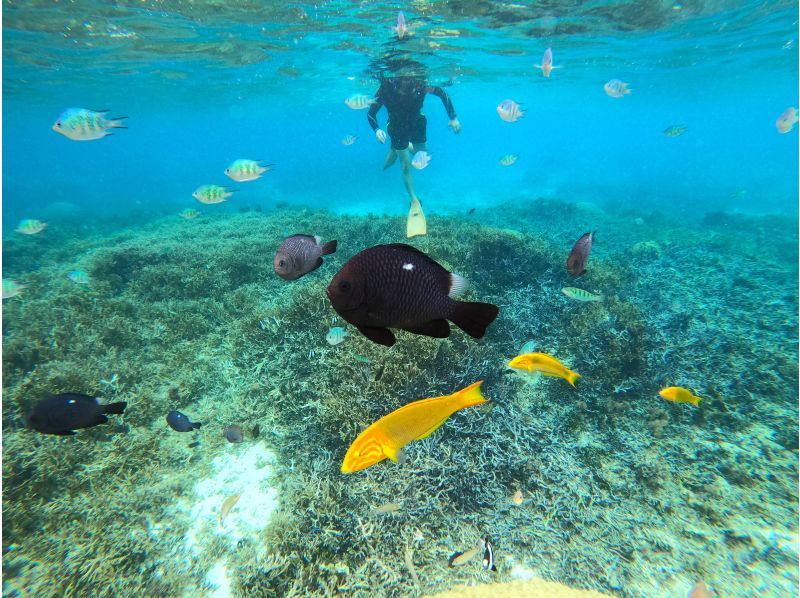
x=576, y=262
x=180, y=422
x=299, y=255
x=63, y=414
x=398, y=286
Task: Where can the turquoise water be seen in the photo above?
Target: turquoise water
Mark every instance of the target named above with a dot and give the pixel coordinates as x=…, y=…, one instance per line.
x=622, y=493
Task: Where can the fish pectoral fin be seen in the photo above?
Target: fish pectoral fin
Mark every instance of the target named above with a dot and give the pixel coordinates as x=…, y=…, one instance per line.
x=101, y=419
x=398, y=455
x=382, y=336
x=316, y=265
x=434, y=328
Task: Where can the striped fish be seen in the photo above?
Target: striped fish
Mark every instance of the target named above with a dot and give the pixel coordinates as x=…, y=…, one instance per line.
x=211, y=194
x=246, y=170
x=80, y=124
x=509, y=111
x=30, y=226
x=508, y=159
x=581, y=295
x=11, y=288
x=336, y=335
x=349, y=140
x=359, y=101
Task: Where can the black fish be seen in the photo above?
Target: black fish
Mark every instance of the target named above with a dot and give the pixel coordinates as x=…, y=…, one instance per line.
x=576, y=262
x=180, y=423
x=488, y=555
x=299, y=255
x=62, y=414
x=398, y=286
x=471, y=211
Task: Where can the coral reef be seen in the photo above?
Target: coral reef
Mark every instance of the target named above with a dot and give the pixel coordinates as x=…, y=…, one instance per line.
x=623, y=492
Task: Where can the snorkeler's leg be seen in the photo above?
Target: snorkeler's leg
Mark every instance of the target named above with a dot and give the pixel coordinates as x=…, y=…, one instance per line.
x=391, y=158
x=405, y=166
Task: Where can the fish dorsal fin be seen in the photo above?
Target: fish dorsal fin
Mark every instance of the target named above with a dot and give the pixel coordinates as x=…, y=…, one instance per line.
x=410, y=248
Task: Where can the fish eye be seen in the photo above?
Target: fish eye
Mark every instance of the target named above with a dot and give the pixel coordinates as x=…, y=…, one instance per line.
x=58, y=123
x=344, y=286
x=282, y=263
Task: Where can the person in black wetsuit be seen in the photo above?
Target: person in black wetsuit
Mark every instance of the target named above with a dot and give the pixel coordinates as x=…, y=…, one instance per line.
x=403, y=97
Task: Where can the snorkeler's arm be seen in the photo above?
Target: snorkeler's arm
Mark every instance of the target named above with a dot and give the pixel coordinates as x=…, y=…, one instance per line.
x=442, y=95
x=373, y=112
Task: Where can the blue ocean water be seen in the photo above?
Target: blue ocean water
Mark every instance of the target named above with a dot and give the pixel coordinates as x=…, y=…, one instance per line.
x=726, y=73
x=605, y=486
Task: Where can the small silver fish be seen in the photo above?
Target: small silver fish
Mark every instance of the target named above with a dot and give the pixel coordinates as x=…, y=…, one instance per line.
x=420, y=160
x=349, y=139
x=30, y=226
x=11, y=288
x=211, y=194
x=336, y=335
x=508, y=159
x=79, y=277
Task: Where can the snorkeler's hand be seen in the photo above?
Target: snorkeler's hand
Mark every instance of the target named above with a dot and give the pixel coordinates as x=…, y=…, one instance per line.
x=380, y=135
x=455, y=126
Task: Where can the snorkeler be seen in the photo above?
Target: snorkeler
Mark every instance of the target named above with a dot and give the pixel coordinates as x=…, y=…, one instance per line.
x=403, y=97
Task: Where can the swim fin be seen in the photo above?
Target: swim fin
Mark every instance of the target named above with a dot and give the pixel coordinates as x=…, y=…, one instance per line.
x=416, y=225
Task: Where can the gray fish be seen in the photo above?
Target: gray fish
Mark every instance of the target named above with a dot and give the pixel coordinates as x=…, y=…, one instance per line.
x=233, y=434
x=62, y=414
x=576, y=262
x=299, y=255
x=180, y=423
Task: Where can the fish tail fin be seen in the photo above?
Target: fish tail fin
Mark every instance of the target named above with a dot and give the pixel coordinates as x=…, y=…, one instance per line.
x=116, y=124
x=329, y=247
x=696, y=401
x=473, y=318
x=115, y=407
x=538, y=66
x=196, y=425
x=572, y=378
x=471, y=395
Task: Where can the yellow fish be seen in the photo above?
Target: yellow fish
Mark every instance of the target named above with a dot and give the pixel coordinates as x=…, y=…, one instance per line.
x=676, y=394
x=414, y=421
x=544, y=363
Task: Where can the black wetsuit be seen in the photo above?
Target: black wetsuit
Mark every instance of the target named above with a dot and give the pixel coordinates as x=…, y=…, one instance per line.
x=403, y=98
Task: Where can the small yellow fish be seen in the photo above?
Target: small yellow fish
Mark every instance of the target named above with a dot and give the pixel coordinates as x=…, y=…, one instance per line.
x=675, y=130
x=30, y=226
x=211, y=194
x=508, y=159
x=359, y=101
x=517, y=498
x=676, y=394
x=581, y=295
x=11, y=288
x=227, y=505
x=544, y=363
x=190, y=213
x=415, y=421
x=246, y=170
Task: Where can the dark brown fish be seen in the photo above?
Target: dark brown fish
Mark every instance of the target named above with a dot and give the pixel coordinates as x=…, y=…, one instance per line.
x=63, y=414
x=299, y=255
x=576, y=262
x=398, y=286
x=233, y=434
